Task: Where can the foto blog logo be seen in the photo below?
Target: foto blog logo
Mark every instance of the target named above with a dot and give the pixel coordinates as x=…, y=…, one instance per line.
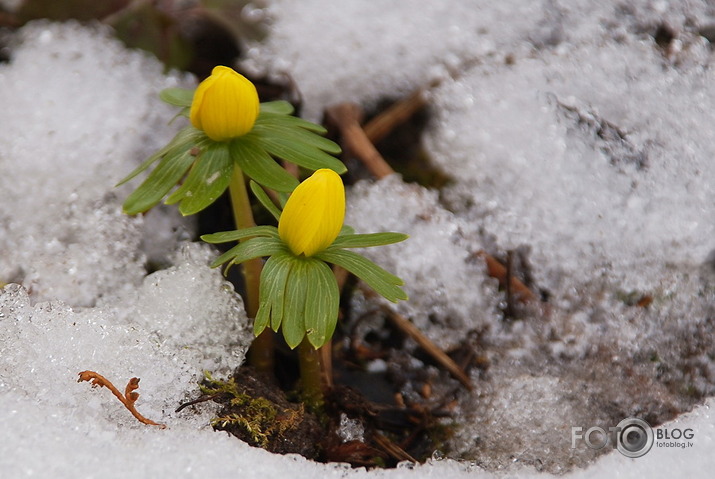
x=633, y=437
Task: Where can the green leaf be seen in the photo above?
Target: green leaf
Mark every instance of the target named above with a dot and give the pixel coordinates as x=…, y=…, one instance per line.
x=184, y=139
x=164, y=177
x=151, y=27
x=293, y=325
x=272, y=292
x=258, y=165
x=263, y=198
x=303, y=155
x=262, y=317
x=284, y=264
x=276, y=107
x=226, y=236
x=207, y=180
x=289, y=121
x=249, y=249
x=322, y=302
x=177, y=96
x=282, y=199
x=384, y=283
x=183, y=112
x=367, y=240
x=299, y=136
x=346, y=230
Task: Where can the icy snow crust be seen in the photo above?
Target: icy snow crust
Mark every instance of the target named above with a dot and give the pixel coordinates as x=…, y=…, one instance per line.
x=569, y=133
x=572, y=136
x=78, y=115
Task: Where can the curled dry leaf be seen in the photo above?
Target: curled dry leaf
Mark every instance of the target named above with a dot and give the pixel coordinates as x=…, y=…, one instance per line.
x=129, y=397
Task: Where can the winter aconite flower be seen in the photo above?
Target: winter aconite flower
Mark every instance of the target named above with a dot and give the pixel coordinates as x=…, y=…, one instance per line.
x=314, y=213
x=298, y=291
x=225, y=105
x=230, y=133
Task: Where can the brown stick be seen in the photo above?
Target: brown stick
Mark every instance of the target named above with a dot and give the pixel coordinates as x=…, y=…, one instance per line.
x=496, y=270
x=341, y=276
x=508, y=289
x=8, y=20
x=129, y=397
x=395, y=451
x=199, y=400
x=291, y=168
x=381, y=126
x=432, y=349
x=346, y=117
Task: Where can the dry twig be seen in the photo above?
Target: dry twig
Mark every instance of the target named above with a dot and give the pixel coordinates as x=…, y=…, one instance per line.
x=383, y=124
x=407, y=327
x=199, y=400
x=495, y=269
x=395, y=451
x=346, y=117
x=129, y=397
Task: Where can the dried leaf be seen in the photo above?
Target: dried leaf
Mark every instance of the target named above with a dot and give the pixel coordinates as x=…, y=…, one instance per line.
x=129, y=398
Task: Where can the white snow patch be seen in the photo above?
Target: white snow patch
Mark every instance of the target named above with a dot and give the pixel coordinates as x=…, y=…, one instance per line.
x=572, y=153
x=366, y=51
x=442, y=277
x=519, y=121
x=79, y=113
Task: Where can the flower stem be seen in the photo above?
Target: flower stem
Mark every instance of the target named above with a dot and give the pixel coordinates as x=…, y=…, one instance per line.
x=261, y=352
x=310, y=375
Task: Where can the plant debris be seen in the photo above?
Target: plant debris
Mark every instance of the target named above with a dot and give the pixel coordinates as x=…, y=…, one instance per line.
x=259, y=413
x=129, y=397
x=403, y=412
x=432, y=349
x=346, y=118
x=371, y=418
x=517, y=290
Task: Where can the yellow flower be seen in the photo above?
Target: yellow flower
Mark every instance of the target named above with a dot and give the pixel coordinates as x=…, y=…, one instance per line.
x=225, y=105
x=314, y=213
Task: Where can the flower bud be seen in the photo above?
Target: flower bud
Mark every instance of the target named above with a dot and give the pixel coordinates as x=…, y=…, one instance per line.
x=314, y=213
x=225, y=105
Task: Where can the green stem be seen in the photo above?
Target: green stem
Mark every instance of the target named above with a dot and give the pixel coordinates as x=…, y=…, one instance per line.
x=310, y=375
x=261, y=352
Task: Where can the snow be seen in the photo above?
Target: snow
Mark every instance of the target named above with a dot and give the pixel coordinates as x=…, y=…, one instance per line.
x=570, y=135
x=594, y=188
x=350, y=429
x=590, y=357
x=10, y=5
x=69, y=148
x=386, y=48
x=445, y=284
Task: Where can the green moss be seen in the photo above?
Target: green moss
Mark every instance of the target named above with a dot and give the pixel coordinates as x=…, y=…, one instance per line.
x=255, y=419
x=439, y=435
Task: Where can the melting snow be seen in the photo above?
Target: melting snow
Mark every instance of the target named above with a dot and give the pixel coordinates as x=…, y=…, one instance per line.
x=571, y=135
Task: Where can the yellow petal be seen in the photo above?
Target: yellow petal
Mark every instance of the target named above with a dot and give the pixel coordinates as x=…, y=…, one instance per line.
x=314, y=213
x=225, y=105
